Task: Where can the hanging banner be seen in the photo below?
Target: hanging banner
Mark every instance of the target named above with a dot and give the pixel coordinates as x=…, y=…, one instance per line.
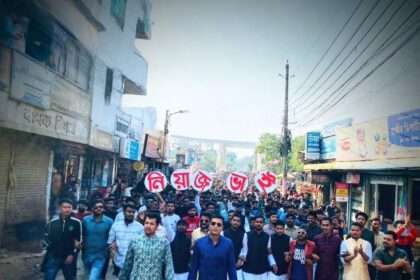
x=341, y=192
x=155, y=181
x=237, y=182
x=180, y=179
x=201, y=181
x=266, y=182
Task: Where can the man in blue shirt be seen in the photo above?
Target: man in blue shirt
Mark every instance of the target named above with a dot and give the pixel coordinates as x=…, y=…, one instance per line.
x=95, y=236
x=213, y=256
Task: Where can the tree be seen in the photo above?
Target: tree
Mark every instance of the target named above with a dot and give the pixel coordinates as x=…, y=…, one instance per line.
x=269, y=146
x=298, y=145
x=208, y=160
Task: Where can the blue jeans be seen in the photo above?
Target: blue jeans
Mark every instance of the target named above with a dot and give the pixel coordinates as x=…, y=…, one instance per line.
x=53, y=266
x=95, y=268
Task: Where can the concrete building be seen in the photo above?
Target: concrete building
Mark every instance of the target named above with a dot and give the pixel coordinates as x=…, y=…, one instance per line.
x=65, y=67
x=371, y=166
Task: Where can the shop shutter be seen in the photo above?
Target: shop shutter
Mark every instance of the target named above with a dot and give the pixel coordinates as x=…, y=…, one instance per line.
x=4, y=161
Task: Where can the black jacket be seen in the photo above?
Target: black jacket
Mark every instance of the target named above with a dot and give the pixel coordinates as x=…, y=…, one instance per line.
x=181, y=253
x=61, y=236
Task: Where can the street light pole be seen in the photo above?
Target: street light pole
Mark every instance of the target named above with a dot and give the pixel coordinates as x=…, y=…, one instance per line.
x=166, y=130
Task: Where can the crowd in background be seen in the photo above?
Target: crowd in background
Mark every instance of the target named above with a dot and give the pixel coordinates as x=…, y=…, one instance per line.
x=142, y=235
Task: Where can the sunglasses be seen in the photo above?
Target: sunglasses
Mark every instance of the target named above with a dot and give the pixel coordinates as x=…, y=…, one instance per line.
x=217, y=224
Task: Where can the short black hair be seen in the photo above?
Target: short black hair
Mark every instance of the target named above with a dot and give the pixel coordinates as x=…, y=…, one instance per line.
x=191, y=206
x=272, y=213
x=390, y=232
x=237, y=215
x=259, y=217
x=152, y=215
x=280, y=223
x=312, y=213
x=129, y=205
x=398, y=222
x=357, y=225
x=217, y=216
x=326, y=219
x=66, y=200
x=206, y=214
x=96, y=202
x=210, y=203
x=363, y=214
x=290, y=215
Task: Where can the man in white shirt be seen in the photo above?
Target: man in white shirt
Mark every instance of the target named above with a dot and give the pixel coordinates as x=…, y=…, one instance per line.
x=121, y=234
x=170, y=219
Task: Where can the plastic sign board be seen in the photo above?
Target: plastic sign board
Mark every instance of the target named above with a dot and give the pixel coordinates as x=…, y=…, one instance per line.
x=237, y=182
x=201, y=181
x=341, y=192
x=266, y=181
x=155, y=181
x=313, y=145
x=180, y=179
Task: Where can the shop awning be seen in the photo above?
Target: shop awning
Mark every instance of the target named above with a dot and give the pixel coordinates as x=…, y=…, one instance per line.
x=365, y=165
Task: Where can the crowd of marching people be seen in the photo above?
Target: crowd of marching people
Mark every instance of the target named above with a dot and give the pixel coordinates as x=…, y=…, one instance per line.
x=220, y=235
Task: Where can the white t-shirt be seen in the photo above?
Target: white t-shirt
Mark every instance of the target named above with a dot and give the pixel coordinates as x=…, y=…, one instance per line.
x=170, y=221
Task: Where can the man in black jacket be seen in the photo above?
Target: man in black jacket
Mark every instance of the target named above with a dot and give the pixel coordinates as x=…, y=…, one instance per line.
x=62, y=241
x=181, y=253
x=258, y=260
x=279, y=247
x=236, y=234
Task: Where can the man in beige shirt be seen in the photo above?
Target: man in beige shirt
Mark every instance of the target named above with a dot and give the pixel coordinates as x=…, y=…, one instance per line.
x=202, y=230
x=377, y=233
x=355, y=254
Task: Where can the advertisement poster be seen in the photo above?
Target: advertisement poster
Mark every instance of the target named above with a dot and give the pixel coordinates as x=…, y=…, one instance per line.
x=341, y=192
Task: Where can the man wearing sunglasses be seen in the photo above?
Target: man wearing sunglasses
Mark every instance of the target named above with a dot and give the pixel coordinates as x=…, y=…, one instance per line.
x=202, y=230
x=95, y=236
x=301, y=257
x=213, y=256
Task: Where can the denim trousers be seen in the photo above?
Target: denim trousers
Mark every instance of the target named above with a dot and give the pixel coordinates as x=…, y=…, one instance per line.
x=94, y=268
x=53, y=265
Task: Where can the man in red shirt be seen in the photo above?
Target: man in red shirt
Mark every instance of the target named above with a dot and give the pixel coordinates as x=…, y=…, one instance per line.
x=406, y=236
x=192, y=220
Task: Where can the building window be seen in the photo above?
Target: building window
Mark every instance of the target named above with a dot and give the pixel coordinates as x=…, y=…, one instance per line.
x=50, y=43
x=118, y=11
x=108, y=85
x=143, y=28
x=122, y=127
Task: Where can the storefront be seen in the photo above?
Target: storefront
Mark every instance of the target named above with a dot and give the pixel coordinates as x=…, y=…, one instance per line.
x=97, y=172
x=67, y=175
x=129, y=161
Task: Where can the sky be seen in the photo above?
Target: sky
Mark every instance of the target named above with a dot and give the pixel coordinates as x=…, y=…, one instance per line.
x=221, y=61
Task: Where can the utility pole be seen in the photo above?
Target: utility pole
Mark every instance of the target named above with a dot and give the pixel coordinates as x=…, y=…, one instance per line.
x=165, y=135
x=285, y=127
